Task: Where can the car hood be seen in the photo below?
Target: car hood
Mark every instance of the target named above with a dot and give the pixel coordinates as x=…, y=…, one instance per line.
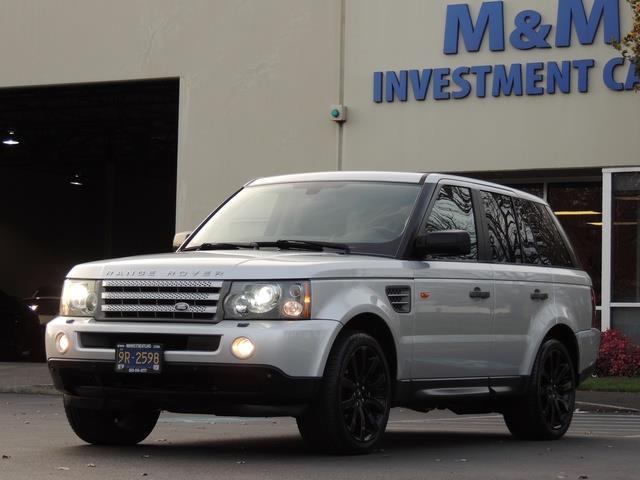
x=243, y=265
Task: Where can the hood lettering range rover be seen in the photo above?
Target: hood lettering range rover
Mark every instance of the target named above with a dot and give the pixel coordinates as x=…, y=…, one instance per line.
x=333, y=297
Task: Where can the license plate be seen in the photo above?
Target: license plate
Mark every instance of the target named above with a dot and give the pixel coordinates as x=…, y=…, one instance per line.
x=138, y=358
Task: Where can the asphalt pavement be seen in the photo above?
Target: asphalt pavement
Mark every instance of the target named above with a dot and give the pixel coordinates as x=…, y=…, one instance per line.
x=36, y=442
x=25, y=377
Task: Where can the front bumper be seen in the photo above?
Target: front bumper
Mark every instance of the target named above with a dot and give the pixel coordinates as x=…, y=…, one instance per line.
x=245, y=390
x=281, y=378
x=296, y=348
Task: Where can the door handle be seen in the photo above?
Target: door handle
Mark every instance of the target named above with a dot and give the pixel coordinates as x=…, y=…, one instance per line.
x=538, y=295
x=477, y=293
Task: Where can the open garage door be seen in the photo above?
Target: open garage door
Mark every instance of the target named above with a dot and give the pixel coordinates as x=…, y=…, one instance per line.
x=87, y=172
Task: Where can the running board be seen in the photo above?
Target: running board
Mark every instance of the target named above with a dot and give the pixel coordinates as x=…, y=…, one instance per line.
x=437, y=390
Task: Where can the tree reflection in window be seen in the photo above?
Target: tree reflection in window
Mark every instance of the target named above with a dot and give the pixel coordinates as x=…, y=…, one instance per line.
x=453, y=210
x=503, y=230
x=541, y=241
x=529, y=223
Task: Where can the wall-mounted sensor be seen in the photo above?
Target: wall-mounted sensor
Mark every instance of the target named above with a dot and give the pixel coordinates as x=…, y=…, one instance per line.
x=338, y=113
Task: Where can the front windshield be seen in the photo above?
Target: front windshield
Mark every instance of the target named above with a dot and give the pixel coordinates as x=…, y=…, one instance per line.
x=369, y=217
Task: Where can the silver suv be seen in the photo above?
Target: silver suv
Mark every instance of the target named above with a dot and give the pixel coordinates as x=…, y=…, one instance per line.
x=332, y=297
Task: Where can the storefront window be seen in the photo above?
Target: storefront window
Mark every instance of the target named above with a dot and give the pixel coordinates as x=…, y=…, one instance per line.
x=625, y=238
x=536, y=189
x=578, y=206
x=625, y=320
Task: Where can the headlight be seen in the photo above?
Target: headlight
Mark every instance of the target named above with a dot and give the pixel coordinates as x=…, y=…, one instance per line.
x=79, y=298
x=268, y=300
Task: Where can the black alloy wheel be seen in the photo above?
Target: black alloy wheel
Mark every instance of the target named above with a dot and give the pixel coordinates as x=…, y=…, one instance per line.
x=546, y=410
x=364, y=394
x=557, y=389
x=350, y=413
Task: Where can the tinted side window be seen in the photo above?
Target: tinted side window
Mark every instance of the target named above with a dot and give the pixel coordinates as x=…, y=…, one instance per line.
x=529, y=223
x=453, y=210
x=541, y=241
x=559, y=252
x=503, y=230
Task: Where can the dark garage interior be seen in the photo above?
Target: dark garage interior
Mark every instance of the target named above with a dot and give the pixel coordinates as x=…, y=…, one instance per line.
x=88, y=172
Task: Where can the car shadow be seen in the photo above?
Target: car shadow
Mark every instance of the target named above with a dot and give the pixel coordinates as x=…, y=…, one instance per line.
x=288, y=447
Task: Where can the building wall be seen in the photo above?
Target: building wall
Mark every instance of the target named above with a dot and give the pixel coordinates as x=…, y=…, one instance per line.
x=257, y=79
x=597, y=128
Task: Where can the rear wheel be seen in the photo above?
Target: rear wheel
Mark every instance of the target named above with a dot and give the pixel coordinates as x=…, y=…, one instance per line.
x=101, y=427
x=352, y=409
x=545, y=413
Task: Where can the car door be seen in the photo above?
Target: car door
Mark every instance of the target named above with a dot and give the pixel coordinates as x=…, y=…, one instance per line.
x=523, y=285
x=453, y=297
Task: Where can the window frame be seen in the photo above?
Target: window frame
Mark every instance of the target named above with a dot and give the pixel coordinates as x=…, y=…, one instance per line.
x=482, y=231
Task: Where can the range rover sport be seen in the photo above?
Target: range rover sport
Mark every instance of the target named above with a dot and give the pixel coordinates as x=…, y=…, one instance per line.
x=332, y=297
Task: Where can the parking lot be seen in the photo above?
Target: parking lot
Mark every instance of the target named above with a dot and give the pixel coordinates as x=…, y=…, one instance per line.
x=36, y=442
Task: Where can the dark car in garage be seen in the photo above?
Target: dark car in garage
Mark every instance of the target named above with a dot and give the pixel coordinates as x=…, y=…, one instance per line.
x=21, y=337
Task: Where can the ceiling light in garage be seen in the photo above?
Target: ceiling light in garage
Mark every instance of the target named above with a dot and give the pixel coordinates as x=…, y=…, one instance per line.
x=76, y=180
x=10, y=139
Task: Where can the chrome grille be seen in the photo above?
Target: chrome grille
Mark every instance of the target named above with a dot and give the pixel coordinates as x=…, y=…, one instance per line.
x=400, y=298
x=166, y=300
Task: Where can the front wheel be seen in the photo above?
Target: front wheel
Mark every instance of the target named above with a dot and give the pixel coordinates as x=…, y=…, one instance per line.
x=101, y=427
x=352, y=409
x=545, y=413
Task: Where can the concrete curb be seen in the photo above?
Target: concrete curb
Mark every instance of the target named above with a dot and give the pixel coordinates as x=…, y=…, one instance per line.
x=604, y=408
x=30, y=389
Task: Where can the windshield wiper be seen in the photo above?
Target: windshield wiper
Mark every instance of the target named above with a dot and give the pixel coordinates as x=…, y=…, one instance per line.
x=220, y=246
x=314, y=246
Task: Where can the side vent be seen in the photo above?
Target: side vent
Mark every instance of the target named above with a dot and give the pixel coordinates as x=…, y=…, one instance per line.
x=400, y=298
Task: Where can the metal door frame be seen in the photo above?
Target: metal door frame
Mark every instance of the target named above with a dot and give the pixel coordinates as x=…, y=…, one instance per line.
x=607, y=230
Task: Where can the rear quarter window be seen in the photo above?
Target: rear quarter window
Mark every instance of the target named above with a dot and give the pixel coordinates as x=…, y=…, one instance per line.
x=542, y=242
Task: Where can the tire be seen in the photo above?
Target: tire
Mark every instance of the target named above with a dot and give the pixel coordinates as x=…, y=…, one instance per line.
x=546, y=411
x=351, y=411
x=101, y=427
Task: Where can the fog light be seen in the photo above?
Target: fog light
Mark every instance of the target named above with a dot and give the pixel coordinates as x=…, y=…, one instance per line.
x=62, y=342
x=242, y=348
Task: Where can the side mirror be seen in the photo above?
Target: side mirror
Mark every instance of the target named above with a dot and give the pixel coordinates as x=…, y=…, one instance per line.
x=179, y=238
x=443, y=242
